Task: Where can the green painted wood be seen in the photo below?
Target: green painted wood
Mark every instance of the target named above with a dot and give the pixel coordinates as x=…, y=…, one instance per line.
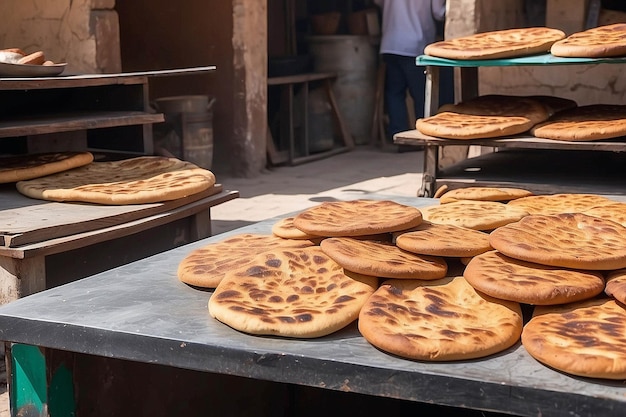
x=61, y=393
x=29, y=380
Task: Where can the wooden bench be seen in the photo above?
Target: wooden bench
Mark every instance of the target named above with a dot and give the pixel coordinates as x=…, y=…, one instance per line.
x=287, y=83
x=44, y=244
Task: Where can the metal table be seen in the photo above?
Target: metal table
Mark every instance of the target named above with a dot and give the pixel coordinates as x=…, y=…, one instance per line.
x=142, y=314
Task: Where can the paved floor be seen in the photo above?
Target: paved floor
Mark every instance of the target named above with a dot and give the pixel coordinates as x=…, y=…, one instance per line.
x=286, y=189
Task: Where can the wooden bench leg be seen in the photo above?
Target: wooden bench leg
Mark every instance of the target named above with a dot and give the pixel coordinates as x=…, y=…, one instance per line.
x=345, y=134
x=21, y=277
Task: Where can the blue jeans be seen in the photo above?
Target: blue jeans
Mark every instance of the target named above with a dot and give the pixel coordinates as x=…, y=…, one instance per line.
x=401, y=75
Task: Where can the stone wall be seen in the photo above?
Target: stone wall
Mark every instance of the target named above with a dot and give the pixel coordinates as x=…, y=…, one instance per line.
x=83, y=33
x=587, y=84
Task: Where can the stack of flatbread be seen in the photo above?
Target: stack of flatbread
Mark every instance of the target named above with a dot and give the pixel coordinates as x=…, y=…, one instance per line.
x=313, y=291
x=387, y=266
x=557, y=259
x=584, y=123
x=492, y=115
x=74, y=177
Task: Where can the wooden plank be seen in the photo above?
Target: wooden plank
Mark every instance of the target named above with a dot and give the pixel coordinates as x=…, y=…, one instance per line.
x=86, y=80
x=414, y=137
x=25, y=220
x=41, y=124
x=66, y=243
x=300, y=78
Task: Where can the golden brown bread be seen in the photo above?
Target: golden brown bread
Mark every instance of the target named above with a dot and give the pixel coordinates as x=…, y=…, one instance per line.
x=587, y=338
x=438, y=320
x=291, y=293
x=36, y=58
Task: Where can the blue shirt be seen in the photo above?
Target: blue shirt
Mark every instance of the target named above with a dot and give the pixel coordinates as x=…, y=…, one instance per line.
x=409, y=25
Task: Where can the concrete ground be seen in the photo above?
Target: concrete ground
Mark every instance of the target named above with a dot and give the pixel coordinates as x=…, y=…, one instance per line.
x=286, y=189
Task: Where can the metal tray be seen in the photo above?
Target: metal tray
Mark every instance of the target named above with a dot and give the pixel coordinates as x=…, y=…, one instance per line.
x=22, y=70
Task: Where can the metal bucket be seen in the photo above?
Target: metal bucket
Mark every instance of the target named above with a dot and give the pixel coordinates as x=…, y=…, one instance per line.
x=188, y=129
x=355, y=60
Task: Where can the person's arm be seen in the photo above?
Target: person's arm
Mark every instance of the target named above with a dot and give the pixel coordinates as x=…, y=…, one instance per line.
x=438, y=8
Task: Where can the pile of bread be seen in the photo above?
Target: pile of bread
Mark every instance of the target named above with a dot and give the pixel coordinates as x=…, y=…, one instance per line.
x=467, y=277
x=76, y=177
x=545, y=117
x=18, y=56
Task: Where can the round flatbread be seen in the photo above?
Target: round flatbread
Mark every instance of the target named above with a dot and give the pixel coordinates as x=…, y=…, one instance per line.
x=206, y=266
x=26, y=167
x=451, y=125
x=284, y=228
x=599, y=42
x=525, y=282
x=443, y=240
x=441, y=320
x=477, y=215
x=382, y=259
x=141, y=180
x=357, y=217
x=568, y=240
x=498, y=44
x=292, y=293
x=616, y=285
x=584, y=339
x=501, y=194
x=614, y=211
x=584, y=123
x=559, y=203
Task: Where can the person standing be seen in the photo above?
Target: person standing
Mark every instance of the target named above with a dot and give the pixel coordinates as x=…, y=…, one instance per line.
x=407, y=27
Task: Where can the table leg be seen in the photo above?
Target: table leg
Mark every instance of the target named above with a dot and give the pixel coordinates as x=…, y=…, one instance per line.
x=21, y=277
x=429, y=176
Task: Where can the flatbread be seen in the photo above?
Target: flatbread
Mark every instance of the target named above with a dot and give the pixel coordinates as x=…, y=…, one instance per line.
x=584, y=123
x=291, y=293
x=586, y=339
x=451, y=125
x=501, y=105
x=501, y=194
x=382, y=259
x=599, y=42
x=559, y=203
x=477, y=215
x=568, y=240
x=440, y=320
x=498, y=44
x=284, y=228
x=26, y=167
x=140, y=180
x=510, y=279
x=485, y=116
x=206, y=266
x=616, y=285
x=357, y=217
x=614, y=211
x=444, y=240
